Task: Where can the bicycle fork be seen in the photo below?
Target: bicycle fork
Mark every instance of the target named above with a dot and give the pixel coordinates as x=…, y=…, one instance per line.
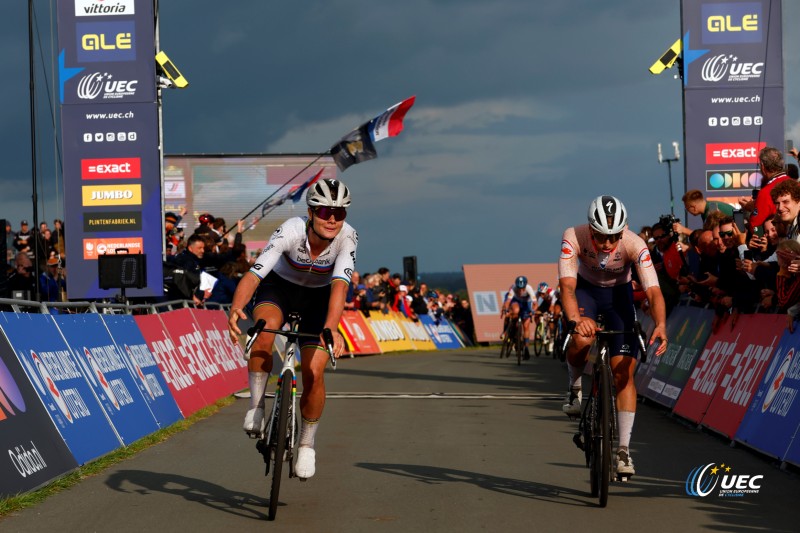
x=266, y=445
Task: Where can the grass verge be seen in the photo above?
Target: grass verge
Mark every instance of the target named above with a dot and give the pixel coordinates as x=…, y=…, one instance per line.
x=29, y=499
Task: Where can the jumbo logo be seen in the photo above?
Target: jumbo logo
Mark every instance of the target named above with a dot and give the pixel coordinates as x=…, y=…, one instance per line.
x=731, y=23
x=112, y=195
x=105, y=41
x=11, y=400
x=732, y=179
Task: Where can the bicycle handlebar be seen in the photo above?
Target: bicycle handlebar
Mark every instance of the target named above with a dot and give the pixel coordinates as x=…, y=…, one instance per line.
x=291, y=336
x=637, y=330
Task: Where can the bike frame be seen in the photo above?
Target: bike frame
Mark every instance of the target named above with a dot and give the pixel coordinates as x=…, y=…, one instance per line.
x=287, y=371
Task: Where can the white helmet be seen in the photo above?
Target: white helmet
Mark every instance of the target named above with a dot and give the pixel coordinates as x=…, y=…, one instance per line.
x=329, y=193
x=607, y=215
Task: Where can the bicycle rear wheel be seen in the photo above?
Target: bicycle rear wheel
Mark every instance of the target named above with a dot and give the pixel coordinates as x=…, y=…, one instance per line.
x=281, y=442
x=606, y=420
x=538, y=339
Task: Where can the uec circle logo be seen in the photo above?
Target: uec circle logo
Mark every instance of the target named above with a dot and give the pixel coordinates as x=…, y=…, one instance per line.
x=699, y=485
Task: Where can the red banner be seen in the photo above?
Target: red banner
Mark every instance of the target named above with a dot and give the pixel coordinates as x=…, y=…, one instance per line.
x=357, y=332
x=754, y=338
x=214, y=328
x=182, y=384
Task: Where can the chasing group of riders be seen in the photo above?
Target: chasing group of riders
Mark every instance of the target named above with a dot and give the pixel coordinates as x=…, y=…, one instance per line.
x=523, y=301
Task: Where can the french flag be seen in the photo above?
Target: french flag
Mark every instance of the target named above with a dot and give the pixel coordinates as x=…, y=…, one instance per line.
x=390, y=122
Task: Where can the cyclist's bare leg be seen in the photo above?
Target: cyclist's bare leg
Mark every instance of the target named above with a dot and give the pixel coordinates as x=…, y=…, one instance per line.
x=624, y=369
x=312, y=403
x=577, y=352
x=260, y=365
x=526, y=329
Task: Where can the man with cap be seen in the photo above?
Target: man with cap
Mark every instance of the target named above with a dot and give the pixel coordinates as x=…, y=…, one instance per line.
x=51, y=281
x=22, y=241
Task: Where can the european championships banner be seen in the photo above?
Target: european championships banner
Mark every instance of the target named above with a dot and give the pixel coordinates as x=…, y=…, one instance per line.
x=733, y=92
x=109, y=131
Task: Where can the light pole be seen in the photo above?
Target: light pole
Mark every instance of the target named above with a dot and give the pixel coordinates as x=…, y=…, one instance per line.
x=669, y=172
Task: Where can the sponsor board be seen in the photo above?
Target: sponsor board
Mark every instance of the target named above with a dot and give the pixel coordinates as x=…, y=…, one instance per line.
x=94, y=247
x=733, y=153
x=102, y=195
x=729, y=23
x=112, y=221
x=728, y=180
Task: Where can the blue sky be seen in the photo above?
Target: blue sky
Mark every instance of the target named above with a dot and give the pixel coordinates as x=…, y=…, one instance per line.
x=525, y=111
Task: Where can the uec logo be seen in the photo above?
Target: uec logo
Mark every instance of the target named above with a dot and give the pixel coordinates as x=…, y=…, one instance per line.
x=698, y=484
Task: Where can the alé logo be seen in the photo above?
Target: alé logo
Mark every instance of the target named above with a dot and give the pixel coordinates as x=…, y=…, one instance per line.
x=703, y=480
x=11, y=401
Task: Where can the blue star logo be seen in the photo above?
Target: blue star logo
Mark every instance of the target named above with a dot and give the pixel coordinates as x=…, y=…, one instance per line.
x=689, y=56
x=64, y=74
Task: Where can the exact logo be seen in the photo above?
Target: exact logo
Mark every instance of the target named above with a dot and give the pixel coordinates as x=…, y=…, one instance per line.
x=703, y=479
x=726, y=67
x=105, y=41
x=733, y=153
x=731, y=23
x=103, y=8
x=107, y=169
x=11, y=401
x=112, y=195
x=95, y=84
x=110, y=137
x=732, y=179
x=756, y=120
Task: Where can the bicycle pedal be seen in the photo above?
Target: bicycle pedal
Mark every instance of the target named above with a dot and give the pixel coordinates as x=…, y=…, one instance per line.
x=623, y=478
x=303, y=479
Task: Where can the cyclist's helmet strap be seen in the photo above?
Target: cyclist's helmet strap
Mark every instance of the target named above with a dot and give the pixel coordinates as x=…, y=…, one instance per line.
x=607, y=215
x=521, y=282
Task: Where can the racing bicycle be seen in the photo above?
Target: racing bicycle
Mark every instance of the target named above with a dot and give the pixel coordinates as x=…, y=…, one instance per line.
x=513, y=339
x=597, y=425
x=277, y=443
x=541, y=338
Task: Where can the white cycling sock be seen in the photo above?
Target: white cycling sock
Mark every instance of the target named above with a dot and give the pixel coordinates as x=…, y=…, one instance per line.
x=258, y=386
x=308, y=430
x=625, y=425
x=575, y=374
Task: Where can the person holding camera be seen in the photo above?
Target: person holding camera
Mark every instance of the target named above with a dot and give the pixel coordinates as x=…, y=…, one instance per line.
x=761, y=206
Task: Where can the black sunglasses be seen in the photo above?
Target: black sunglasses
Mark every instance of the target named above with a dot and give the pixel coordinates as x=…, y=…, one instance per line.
x=726, y=233
x=600, y=237
x=324, y=212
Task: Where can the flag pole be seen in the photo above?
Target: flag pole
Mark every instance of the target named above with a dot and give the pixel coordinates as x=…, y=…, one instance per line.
x=268, y=198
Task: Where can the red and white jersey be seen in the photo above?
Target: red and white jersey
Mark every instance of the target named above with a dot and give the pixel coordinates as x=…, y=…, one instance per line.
x=580, y=256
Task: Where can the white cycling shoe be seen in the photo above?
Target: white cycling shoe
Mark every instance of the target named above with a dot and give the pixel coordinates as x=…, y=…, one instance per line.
x=254, y=421
x=624, y=464
x=573, y=406
x=306, y=462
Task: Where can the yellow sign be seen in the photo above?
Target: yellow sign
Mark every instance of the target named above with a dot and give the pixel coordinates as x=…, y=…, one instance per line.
x=387, y=331
x=112, y=195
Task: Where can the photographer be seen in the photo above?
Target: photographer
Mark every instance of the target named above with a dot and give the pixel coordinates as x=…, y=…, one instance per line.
x=667, y=261
x=22, y=278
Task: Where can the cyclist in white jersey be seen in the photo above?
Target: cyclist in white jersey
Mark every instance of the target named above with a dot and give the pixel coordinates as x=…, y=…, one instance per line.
x=520, y=300
x=305, y=268
x=595, y=278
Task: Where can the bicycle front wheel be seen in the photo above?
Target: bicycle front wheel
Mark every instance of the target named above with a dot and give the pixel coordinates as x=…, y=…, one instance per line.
x=538, y=339
x=606, y=434
x=520, y=343
x=280, y=445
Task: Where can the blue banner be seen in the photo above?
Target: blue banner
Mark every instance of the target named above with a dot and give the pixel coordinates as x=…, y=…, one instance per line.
x=441, y=333
x=59, y=382
x=36, y=453
x=773, y=417
x=144, y=368
x=107, y=372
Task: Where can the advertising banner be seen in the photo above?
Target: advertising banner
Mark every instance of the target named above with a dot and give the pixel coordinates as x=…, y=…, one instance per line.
x=487, y=286
x=793, y=453
x=107, y=372
x=441, y=333
x=32, y=450
x=110, y=139
x=388, y=333
x=181, y=382
x=60, y=384
x=706, y=374
x=772, y=419
x=416, y=332
x=733, y=92
x=143, y=366
x=688, y=329
x=755, y=338
x=208, y=375
x=354, y=328
x=227, y=356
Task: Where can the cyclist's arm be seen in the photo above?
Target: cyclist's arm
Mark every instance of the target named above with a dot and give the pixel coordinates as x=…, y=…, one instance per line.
x=335, y=310
x=658, y=310
x=241, y=297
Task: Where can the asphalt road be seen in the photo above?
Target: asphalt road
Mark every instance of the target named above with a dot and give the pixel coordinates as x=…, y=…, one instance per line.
x=437, y=441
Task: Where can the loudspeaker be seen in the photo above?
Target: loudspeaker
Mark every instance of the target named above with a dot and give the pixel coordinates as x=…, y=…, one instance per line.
x=410, y=267
x=122, y=271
